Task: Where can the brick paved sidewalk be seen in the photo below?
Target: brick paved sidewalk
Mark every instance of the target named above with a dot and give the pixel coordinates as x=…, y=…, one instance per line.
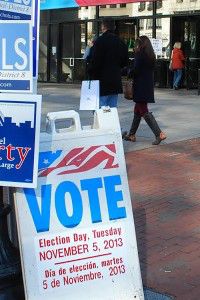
x=165, y=182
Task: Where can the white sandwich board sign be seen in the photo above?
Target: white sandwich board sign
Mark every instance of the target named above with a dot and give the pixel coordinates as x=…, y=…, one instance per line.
x=76, y=230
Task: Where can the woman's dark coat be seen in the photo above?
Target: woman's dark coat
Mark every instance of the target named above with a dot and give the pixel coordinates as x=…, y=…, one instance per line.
x=143, y=79
x=109, y=56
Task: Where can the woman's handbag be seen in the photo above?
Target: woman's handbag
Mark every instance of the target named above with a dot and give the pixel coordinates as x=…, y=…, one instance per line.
x=170, y=65
x=128, y=89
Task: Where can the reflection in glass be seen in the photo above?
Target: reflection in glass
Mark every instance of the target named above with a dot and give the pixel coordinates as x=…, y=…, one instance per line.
x=53, y=53
x=126, y=30
x=42, y=67
x=67, y=53
x=163, y=33
x=146, y=27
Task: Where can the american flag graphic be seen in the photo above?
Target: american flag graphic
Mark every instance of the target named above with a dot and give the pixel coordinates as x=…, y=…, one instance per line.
x=77, y=160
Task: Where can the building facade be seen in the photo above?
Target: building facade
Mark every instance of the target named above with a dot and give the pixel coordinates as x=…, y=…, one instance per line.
x=65, y=34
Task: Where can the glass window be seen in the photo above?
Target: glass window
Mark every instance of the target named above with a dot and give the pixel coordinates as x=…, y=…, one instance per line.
x=67, y=53
x=191, y=42
x=174, y=6
x=85, y=14
x=146, y=27
x=150, y=6
x=53, y=53
x=114, y=10
x=141, y=24
x=142, y=9
x=141, y=6
x=149, y=24
x=128, y=9
x=126, y=30
x=158, y=4
x=158, y=23
x=163, y=33
x=91, y=32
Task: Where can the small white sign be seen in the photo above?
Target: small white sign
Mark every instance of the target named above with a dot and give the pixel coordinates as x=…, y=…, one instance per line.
x=157, y=46
x=54, y=50
x=89, y=95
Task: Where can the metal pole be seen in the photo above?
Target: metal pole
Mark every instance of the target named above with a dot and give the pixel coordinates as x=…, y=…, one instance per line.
x=9, y=255
x=97, y=19
x=154, y=19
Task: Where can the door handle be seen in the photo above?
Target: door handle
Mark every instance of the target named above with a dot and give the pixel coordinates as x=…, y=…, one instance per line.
x=71, y=62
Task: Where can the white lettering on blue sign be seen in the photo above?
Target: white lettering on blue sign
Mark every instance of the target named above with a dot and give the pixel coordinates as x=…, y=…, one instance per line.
x=18, y=51
x=41, y=218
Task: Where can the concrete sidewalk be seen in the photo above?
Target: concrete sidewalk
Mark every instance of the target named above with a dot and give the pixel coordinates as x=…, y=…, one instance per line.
x=177, y=112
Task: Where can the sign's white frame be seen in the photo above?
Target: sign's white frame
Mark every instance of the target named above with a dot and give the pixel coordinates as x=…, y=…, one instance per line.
x=27, y=99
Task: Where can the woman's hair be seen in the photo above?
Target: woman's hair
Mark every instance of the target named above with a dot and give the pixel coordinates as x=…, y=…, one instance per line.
x=143, y=44
x=177, y=45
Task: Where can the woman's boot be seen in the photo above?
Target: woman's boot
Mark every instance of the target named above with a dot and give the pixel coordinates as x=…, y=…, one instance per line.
x=135, y=124
x=151, y=121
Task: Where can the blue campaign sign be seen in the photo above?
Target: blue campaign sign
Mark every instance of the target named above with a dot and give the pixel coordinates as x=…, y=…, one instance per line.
x=15, y=9
x=19, y=139
x=15, y=56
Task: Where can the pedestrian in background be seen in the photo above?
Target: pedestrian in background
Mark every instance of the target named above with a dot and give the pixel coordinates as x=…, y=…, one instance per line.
x=109, y=56
x=177, y=64
x=142, y=71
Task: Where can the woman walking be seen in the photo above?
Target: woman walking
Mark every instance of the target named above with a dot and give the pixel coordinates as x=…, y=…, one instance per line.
x=143, y=90
x=177, y=63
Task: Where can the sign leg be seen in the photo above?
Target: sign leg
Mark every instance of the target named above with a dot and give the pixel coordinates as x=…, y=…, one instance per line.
x=9, y=255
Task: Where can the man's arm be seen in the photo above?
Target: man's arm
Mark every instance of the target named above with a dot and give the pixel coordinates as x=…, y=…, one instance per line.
x=124, y=56
x=96, y=61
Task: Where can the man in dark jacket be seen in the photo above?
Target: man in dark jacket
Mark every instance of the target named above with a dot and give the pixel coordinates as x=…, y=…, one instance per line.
x=110, y=55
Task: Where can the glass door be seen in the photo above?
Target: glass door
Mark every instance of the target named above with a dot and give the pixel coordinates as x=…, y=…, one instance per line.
x=187, y=31
x=79, y=50
x=43, y=54
x=72, y=51
x=67, y=52
x=53, y=53
x=126, y=30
